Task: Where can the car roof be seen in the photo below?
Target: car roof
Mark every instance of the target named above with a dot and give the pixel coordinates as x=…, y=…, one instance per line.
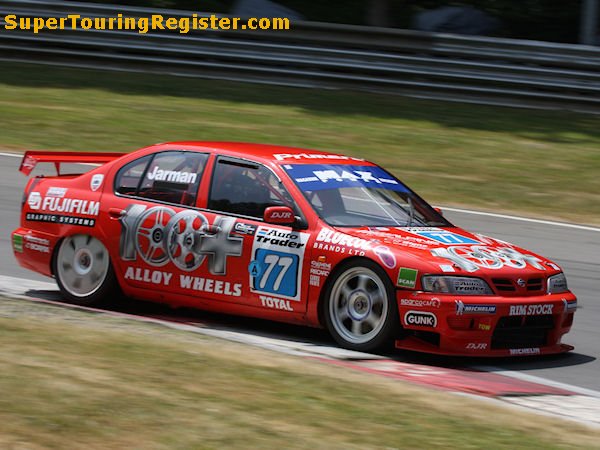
x=278, y=154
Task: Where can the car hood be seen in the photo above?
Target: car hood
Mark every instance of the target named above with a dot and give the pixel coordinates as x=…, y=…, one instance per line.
x=450, y=250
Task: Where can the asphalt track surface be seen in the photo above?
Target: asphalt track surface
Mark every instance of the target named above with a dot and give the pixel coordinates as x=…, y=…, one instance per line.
x=577, y=250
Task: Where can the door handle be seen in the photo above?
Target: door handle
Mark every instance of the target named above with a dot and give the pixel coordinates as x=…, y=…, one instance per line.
x=211, y=229
x=116, y=213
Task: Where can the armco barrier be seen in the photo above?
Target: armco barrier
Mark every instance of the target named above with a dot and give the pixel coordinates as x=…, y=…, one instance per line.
x=429, y=65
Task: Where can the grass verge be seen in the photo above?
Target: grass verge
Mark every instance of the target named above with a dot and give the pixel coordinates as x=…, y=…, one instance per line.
x=100, y=382
x=538, y=162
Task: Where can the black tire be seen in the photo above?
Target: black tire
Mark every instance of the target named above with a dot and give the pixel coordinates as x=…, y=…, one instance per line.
x=83, y=271
x=359, y=306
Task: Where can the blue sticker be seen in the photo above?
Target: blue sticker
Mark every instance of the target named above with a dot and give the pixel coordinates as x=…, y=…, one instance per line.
x=275, y=272
x=254, y=268
x=315, y=177
x=445, y=237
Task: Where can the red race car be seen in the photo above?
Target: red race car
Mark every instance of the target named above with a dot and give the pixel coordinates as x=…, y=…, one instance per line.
x=291, y=235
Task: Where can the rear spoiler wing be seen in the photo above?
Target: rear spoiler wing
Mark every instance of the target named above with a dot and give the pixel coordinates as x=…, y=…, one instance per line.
x=33, y=158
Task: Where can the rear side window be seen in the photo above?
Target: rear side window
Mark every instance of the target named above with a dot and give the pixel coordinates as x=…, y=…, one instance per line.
x=171, y=177
x=128, y=178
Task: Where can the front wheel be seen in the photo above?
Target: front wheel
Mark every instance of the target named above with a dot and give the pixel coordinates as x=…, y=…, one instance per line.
x=83, y=271
x=360, y=307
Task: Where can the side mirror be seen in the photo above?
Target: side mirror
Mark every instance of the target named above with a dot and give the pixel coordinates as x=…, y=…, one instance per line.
x=439, y=211
x=281, y=215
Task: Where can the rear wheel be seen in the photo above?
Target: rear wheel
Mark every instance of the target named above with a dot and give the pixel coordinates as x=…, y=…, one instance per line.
x=360, y=308
x=83, y=271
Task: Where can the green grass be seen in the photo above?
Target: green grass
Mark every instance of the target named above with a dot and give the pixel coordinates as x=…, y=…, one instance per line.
x=540, y=163
x=84, y=380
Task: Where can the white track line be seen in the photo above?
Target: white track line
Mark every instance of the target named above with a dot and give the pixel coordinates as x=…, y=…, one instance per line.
x=477, y=213
x=522, y=219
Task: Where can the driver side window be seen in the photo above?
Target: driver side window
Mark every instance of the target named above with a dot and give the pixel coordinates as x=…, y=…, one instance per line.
x=245, y=188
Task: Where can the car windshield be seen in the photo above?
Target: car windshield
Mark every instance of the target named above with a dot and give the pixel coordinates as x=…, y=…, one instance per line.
x=354, y=196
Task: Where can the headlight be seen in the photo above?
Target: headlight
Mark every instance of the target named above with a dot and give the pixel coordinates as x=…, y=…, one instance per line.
x=557, y=284
x=455, y=285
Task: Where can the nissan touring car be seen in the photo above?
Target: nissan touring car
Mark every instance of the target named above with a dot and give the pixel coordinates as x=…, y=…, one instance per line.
x=292, y=235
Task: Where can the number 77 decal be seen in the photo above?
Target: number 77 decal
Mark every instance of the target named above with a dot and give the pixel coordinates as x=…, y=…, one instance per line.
x=275, y=273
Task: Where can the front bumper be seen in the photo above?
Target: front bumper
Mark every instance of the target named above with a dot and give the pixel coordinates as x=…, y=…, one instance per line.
x=485, y=325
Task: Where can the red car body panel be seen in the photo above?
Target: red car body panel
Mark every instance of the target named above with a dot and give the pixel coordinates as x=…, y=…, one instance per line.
x=222, y=278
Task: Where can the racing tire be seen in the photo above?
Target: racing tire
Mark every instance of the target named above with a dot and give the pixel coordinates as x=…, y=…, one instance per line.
x=359, y=308
x=83, y=271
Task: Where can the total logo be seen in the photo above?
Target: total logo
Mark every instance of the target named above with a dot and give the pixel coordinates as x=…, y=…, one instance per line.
x=420, y=319
x=530, y=310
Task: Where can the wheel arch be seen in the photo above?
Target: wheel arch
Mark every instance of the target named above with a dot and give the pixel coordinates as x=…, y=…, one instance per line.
x=336, y=270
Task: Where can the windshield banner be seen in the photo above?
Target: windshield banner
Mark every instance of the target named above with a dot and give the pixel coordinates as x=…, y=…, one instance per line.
x=315, y=177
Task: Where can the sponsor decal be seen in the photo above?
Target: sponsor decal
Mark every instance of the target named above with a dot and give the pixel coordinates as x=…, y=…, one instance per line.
x=314, y=177
x=275, y=303
x=300, y=156
x=96, y=181
x=407, y=278
x=63, y=220
x=56, y=192
x=277, y=260
x=415, y=303
x=530, y=310
x=281, y=215
x=28, y=163
x=525, y=351
x=476, y=346
x=37, y=244
x=341, y=243
x=569, y=306
x=484, y=326
x=63, y=205
x=148, y=276
x=314, y=280
x=420, y=318
x=386, y=256
x=201, y=284
x=469, y=308
x=159, y=235
x=244, y=228
x=441, y=235
x=34, y=200
x=319, y=268
x=446, y=268
x=279, y=238
x=472, y=258
x=553, y=266
x=17, y=242
x=172, y=176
